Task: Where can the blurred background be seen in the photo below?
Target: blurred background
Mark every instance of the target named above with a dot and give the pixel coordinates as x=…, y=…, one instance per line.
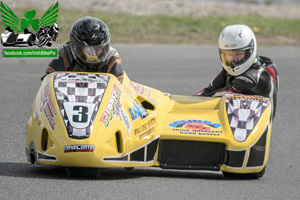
x=193, y=22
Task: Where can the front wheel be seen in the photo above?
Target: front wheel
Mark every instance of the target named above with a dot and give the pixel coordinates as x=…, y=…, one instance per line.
x=78, y=172
x=245, y=176
x=128, y=168
x=42, y=41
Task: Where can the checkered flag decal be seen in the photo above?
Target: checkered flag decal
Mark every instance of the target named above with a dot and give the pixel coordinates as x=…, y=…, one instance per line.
x=243, y=113
x=83, y=88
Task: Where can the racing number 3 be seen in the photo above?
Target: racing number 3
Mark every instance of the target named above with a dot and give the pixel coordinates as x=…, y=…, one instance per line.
x=80, y=114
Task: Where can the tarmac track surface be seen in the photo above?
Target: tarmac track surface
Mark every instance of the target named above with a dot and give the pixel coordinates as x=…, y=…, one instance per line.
x=175, y=69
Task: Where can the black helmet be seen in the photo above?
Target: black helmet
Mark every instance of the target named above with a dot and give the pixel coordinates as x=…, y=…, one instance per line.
x=89, y=42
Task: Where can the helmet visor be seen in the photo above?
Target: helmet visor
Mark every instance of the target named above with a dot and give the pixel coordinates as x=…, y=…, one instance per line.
x=90, y=54
x=234, y=58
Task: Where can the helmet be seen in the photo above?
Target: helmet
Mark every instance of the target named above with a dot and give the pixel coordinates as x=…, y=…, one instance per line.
x=56, y=27
x=237, y=48
x=89, y=42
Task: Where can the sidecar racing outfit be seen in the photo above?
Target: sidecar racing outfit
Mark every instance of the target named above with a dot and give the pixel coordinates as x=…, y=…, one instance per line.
x=260, y=79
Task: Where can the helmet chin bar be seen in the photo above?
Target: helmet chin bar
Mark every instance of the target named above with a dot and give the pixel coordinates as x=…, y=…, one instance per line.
x=93, y=67
x=233, y=69
x=86, y=67
x=237, y=63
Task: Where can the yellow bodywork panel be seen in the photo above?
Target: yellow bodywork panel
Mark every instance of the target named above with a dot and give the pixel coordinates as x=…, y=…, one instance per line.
x=93, y=120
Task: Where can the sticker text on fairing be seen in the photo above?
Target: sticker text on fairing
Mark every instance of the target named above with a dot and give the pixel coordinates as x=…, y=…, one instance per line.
x=79, y=148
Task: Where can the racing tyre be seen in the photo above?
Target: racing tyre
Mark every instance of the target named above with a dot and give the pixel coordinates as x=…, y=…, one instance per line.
x=42, y=41
x=128, y=168
x=49, y=44
x=32, y=157
x=245, y=176
x=76, y=172
x=30, y=41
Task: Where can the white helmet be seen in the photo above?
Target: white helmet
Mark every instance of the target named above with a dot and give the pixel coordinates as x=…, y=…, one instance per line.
x=237, y=48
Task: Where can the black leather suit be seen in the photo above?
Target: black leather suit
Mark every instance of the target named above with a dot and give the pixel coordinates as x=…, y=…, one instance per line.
x=260, y=79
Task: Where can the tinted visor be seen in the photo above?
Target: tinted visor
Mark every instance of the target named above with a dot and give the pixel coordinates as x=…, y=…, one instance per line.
x=234, y=58
x=90, y=54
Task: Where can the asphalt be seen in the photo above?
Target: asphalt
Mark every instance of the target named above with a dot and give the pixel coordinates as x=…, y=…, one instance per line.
x=176, y=69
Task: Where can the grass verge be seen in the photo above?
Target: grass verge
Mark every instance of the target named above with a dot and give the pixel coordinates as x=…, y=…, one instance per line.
x=130, y=29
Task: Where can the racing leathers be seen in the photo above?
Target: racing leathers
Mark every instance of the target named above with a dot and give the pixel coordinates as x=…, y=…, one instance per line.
x=260, y=79
x=67, y=62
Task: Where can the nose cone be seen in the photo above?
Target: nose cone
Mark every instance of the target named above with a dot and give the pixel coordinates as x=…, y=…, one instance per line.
x=79, y=97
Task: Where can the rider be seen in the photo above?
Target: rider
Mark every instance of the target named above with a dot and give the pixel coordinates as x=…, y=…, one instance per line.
x=243, y=71
x=54, y=31
x=88, y=50
x=48, y=33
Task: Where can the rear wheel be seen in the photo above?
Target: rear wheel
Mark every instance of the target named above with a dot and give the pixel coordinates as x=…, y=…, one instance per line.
x=245, y=176
x=30, y=41
x=76, y=172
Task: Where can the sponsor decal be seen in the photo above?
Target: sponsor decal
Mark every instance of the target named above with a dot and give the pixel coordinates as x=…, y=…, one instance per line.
x=148, y=132
x=47, y=105
x=38, y=119
x=246, y=97
x=230, y=45
x=137, y=111
x=126, y=120
x=139, y=89
x=146, y=128
x=79, y=148
x=196, y=127
x=142, y=90
x=80, y=80
x=113, y=107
